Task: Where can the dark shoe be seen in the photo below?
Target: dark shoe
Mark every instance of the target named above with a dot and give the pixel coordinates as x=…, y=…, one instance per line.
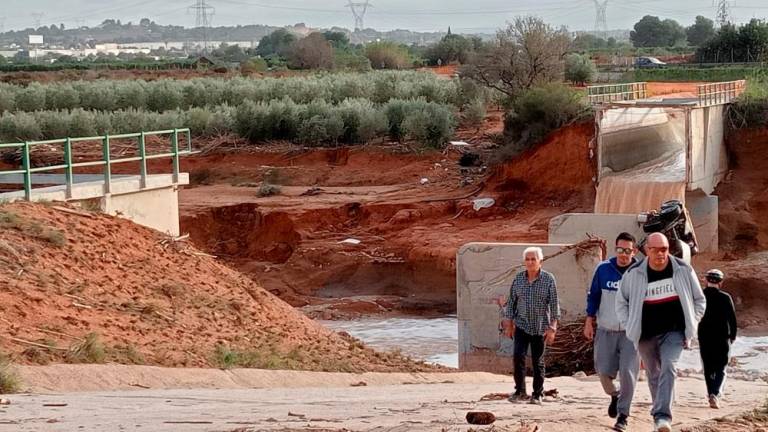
x=518, y=397
x=621, y=423
x=535, y=400
x=612, y=408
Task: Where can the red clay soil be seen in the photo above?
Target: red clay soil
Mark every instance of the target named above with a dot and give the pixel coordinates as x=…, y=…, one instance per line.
x=743, y=197
x=743, y=234
x=558, y=167
x=679, y=89
x=150, y=299
x=409, y=232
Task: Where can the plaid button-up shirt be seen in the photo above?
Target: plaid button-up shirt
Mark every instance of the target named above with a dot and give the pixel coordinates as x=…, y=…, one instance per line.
x=533, y=305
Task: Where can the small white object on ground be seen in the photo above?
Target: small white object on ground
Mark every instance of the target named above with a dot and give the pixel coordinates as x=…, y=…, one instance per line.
x=352, y=241
x=482, y=203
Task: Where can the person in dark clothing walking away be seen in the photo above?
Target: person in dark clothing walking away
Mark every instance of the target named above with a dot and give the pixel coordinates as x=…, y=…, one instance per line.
x=717, y=331
x=533, y=310
x=615, y=354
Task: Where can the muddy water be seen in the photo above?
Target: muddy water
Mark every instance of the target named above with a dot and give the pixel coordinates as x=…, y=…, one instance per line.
x=436, y=340
x=749, y=358
x=431, y=339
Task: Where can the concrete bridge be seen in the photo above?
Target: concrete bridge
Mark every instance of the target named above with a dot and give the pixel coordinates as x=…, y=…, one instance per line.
x=147, y=199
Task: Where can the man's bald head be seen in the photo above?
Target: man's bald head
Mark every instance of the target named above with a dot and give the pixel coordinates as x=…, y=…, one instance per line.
x=657, y=240
x=657, y=251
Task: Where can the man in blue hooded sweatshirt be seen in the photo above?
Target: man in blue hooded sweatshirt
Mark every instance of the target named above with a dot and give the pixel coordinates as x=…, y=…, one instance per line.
x=614, y=353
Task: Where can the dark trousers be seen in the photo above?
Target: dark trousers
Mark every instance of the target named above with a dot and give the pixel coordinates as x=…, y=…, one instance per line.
x=715, y=380
x=714, y=357
x=522, y=341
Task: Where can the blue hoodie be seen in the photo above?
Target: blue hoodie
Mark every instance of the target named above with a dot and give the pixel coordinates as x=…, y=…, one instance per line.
x=601, y=298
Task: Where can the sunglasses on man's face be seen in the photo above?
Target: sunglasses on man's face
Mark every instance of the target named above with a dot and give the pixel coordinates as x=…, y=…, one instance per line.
x=661, y=249
x=624, y=251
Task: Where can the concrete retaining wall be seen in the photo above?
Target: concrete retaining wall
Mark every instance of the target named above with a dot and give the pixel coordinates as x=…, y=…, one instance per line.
x=155, y=208
x=484, y=273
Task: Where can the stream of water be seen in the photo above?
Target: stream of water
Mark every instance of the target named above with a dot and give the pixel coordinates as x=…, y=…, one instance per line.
x=436, y=340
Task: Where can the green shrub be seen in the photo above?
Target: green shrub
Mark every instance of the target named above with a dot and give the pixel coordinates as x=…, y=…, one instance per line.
x=254, y=65
x=7, y=98
x=53, y=124
x=362, y=122
x=130, y=94
x=396, y=111
x=388, y=55
x=751, y=108
x=431, y=126
x=319, y=130
x=102, y=122
x=251, y=121
x=31, y=98
x=82, y=124
x=96, y=95
x=21, y=126
x=474, y=113
x=164, y=95
x=62, y=96
x=539, y=111
x=579, y=69
x=127, y=121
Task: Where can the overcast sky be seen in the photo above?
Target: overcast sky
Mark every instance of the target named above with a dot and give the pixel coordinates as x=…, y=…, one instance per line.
x=426, y=15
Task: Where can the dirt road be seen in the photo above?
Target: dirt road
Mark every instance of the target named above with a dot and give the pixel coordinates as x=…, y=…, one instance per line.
x=376, y=406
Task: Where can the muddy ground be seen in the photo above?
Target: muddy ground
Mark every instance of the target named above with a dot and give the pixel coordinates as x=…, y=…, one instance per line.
x=343, y=402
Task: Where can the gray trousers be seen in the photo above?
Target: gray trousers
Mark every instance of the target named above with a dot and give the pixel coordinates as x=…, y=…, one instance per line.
x=615, y=355
x=660, y=356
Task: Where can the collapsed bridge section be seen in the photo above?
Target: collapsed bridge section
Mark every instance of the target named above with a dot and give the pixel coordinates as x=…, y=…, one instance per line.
x=653, y=149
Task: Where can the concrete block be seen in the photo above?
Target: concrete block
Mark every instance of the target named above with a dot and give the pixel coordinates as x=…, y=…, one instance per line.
x=484, y=273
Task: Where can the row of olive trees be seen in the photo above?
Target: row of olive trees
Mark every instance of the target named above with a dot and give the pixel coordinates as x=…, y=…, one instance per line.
x=354, y=121
x=163, y=95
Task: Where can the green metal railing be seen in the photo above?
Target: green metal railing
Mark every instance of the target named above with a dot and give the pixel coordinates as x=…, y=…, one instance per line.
x=617, y=92
x=68, y=166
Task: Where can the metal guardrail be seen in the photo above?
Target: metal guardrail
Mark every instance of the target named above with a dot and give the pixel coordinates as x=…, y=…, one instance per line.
x=617, y=92
x=720, y=93
x=68, y=166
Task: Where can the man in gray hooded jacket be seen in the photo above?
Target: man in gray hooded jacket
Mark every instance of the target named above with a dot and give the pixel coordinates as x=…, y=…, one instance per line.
x=660, y=304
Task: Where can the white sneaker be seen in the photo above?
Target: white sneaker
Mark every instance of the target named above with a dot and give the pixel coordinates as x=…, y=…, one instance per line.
x=713, y=402
x=663, y=425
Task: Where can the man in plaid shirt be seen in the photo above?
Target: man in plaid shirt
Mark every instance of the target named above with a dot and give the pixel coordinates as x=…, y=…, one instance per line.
x=531, y=319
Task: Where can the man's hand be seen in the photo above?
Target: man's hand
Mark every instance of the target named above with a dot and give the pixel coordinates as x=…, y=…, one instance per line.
x=508, y=328
x=589, y=328
x=549, y=336
x=686, y=343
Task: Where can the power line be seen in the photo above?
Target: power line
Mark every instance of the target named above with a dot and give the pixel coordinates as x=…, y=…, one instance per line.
x=203, y=15
x=37, y=18
x=358, y=10
x=601, y=22
x=723, y=12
